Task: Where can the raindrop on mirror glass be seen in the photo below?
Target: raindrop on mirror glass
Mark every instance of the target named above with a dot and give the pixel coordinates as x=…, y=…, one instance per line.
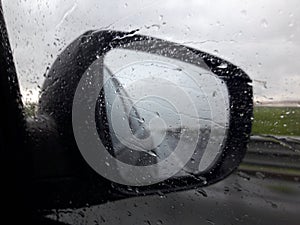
x=264, y=23
x=244, y=12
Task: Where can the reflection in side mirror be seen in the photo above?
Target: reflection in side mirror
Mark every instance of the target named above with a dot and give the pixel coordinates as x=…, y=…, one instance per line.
x=149, y=113
x=158, y=107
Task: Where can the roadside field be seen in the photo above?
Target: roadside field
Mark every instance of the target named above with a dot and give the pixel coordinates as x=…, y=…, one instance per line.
x=276, y=121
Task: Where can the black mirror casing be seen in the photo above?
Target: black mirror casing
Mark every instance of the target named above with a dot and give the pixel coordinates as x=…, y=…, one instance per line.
x=63, y=78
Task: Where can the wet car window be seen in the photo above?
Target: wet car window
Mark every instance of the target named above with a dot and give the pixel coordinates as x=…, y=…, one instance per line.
x=260, y=37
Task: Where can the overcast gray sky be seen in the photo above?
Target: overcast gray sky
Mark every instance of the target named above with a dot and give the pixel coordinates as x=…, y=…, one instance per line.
x=262, y=37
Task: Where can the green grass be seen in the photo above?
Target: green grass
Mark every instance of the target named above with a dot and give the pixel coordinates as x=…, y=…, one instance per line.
x=276, y=121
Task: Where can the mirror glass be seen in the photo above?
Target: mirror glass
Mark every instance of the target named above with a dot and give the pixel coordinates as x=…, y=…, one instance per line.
x=162, y=114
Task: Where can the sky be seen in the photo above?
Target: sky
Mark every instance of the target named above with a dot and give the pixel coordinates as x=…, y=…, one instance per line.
x=261, y=37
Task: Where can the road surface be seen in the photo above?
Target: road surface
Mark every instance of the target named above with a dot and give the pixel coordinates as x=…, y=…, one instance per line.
x=243, y=198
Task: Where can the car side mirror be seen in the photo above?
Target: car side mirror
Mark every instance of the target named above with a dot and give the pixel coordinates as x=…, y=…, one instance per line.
x=147, y=115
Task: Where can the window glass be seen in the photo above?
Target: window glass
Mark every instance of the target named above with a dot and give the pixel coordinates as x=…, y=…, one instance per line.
x=260, y=37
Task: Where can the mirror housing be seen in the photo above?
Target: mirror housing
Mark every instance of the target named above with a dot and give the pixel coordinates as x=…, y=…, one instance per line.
x=62, y=80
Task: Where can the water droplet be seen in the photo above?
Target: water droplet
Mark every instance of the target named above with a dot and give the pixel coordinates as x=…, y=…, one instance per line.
x=159, y=222
x=272, y=204
x=226, y=190
x=210, y=222
x=160, y=194
x=244, y=12
x=202, y=192
x=243, y=175
x=222, y=66
x=291, y=24
x=153, y=153
x=264, y=23
x=260, y=175
x=81, y=214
